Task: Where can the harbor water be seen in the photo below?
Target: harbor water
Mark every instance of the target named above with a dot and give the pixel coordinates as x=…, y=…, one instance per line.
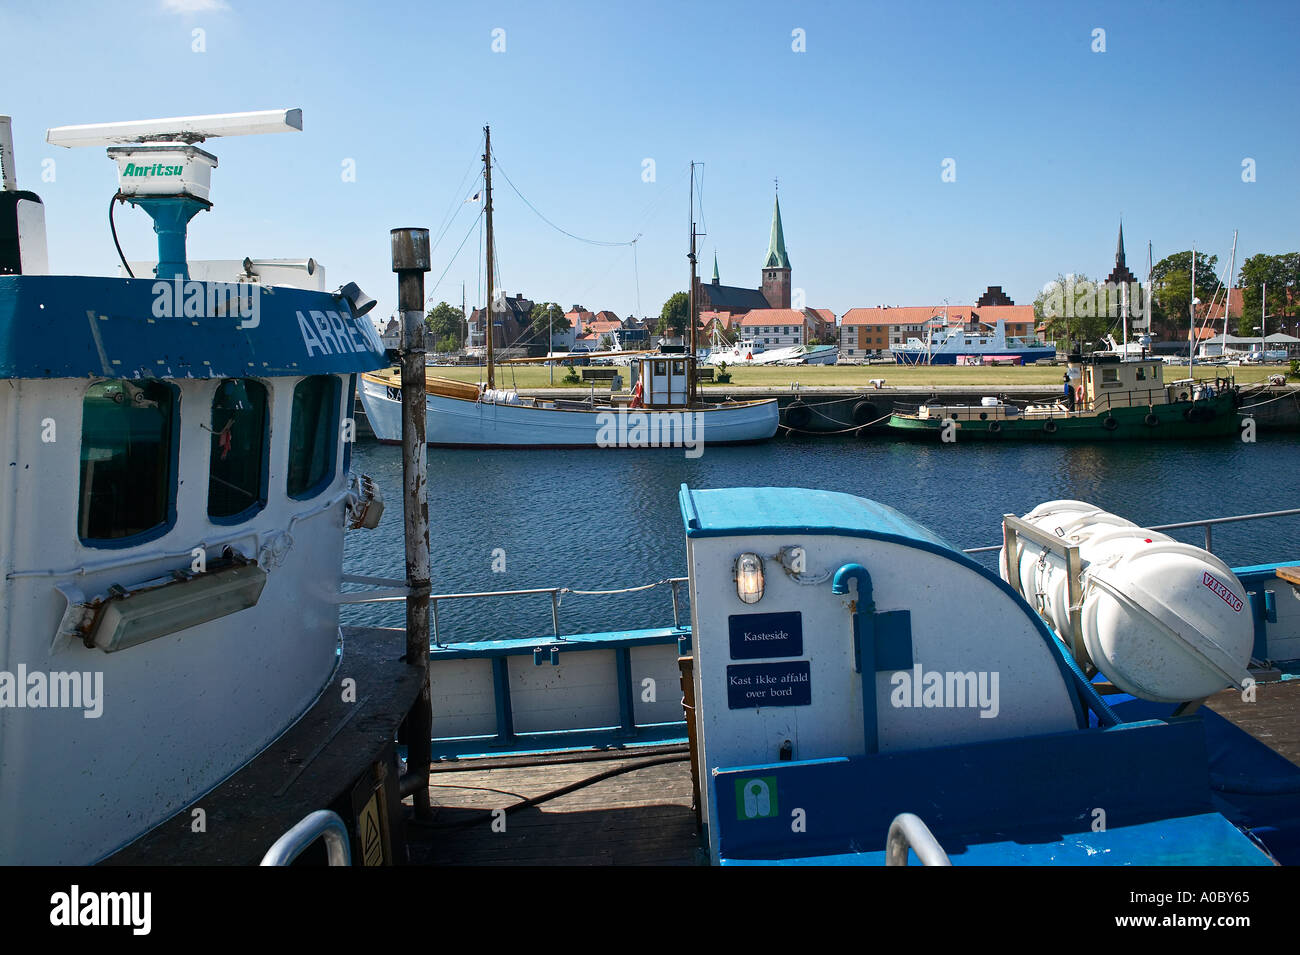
x=606, y=519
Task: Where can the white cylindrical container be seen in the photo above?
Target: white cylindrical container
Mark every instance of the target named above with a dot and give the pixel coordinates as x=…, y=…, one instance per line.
x=1165, y=621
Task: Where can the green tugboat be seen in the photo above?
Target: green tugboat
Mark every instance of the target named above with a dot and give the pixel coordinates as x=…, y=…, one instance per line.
x=1111, y=399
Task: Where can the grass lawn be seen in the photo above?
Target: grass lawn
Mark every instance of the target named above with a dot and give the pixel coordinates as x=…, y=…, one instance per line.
x=854, y=376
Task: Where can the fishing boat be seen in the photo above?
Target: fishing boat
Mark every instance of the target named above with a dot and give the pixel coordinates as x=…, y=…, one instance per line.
x=171, y=543
x=664, y=408
x=946, y=344
x=1116, y=400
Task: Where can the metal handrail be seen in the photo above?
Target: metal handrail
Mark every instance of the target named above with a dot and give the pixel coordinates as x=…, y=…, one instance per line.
x=399, y=592
x=1207, y=523
x=321, y=824
x=908, y=831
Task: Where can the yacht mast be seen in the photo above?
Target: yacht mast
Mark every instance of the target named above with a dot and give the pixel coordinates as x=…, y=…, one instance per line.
x=690, y=307
x=1227, y=294
x=1191, y=328
x=487, y=211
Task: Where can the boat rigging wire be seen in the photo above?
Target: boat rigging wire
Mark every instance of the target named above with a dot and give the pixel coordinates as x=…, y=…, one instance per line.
x=454, y=256
x=497, y=163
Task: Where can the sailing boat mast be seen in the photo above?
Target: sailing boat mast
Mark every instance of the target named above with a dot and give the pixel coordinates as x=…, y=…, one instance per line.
x=487, y=211
x=1227, y=293
x=1147, y=324
x=1191, y=328
x=690, y=304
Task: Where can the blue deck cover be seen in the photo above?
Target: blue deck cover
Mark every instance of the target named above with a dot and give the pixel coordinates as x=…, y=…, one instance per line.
x=1137, y=793
x=775, y=510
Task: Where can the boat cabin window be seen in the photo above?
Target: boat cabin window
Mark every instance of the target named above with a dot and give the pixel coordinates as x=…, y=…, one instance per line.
x=237, y=465
x=661, y=368
x=128, y=462
x=1109, y=375
x=679, y=368
x=312, y=435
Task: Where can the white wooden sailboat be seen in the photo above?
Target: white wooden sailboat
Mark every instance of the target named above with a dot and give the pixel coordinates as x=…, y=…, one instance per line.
x=663, y=410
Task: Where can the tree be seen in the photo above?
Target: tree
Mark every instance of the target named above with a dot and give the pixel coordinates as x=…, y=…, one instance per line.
x=548, y=319
x=673, y=317
x=446, y=325
x=1171, y=289
x=606, y=342
x=1282, y=275
x=1073, y=310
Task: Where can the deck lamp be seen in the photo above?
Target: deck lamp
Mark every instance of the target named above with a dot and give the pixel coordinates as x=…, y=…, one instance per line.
x=749, y=578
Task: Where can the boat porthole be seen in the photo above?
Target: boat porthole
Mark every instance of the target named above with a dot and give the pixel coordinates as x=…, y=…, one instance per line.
x=1151, y=420
x=1049, y=426
x=1110, y=424
x=984, y=416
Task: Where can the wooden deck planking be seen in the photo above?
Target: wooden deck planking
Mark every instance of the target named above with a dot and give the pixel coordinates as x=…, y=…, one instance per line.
x=1273, y=718
x=640, y=817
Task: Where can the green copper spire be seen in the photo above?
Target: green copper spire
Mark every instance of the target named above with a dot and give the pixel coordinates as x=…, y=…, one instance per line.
x=716, y=280
x=776, y=257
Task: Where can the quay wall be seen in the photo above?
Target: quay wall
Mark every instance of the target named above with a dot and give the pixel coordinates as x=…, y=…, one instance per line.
x=831, y=410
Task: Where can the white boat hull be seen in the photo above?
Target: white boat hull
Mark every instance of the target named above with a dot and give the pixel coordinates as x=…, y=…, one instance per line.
x=464, y=423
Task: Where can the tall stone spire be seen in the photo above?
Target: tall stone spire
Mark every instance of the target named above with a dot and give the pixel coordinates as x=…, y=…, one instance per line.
x=1120, y=274
x=776, y=267
x=716, y=280
x=776, y=255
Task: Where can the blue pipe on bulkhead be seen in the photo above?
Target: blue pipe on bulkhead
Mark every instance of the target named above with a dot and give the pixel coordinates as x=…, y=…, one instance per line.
x=840, y=584
x=864, y=646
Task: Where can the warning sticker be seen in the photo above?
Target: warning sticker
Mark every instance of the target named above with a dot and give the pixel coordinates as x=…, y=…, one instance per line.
x=372, y=842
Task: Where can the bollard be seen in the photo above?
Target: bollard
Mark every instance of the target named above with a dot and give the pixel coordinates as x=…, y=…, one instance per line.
x=410, y=249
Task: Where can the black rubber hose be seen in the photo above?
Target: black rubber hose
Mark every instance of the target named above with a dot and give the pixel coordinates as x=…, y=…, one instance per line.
x=117, y=196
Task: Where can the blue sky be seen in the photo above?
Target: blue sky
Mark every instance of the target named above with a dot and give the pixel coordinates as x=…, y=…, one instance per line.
x=1052, y=142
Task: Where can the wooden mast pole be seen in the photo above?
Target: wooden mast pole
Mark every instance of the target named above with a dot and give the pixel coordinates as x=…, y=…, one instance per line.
x=487, y=211
x=410, y=253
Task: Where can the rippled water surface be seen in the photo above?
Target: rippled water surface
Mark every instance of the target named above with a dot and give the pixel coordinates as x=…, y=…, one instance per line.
x=604, y=519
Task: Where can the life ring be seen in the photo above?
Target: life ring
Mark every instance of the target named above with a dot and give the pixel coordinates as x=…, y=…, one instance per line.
x=1151, y=420
x=995, y=426
x=797, y=414
x=1109, y=423
x=864, y=412
x=1049, y=426
x=636, y=395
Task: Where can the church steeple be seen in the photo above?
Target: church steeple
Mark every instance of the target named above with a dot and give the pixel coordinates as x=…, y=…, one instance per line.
x=716, y=280
x=776, y=267
x=1120, y=275
x=776, y=255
